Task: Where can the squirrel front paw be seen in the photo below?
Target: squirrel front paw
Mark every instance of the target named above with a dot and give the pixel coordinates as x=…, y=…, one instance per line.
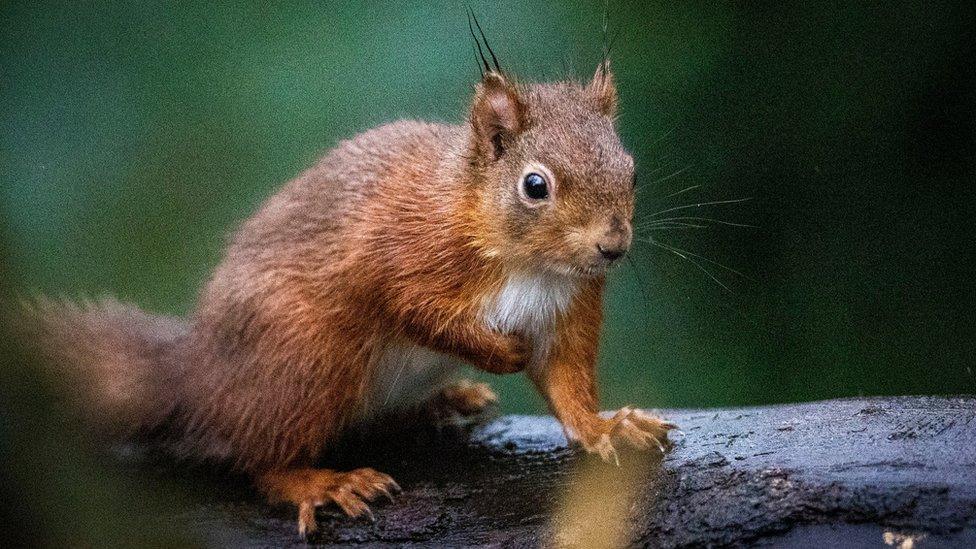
x=628, y=428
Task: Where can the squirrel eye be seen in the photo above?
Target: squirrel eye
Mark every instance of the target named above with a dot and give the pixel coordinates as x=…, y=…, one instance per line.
x=535, y=186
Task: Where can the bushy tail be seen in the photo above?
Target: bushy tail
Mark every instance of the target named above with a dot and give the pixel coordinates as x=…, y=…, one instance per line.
x=118, y=362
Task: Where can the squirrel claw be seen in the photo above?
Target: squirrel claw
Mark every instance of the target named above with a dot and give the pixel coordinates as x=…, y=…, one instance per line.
x=633, y=428
x=313, y=488
x=605, y=449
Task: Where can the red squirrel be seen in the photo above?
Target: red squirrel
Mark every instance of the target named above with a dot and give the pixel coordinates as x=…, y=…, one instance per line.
x=364, y=284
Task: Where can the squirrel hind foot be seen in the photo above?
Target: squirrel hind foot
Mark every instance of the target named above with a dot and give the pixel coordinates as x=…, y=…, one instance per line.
x=464, y=398
x=309, y=489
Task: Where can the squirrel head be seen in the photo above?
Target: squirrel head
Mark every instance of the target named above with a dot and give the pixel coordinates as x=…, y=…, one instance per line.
x=554, y=186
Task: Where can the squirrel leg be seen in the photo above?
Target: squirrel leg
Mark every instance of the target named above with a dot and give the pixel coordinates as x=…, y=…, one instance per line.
x=568, y=382
x=463, y=397
x=569, y=386
x=309, y=488
x=471, y=341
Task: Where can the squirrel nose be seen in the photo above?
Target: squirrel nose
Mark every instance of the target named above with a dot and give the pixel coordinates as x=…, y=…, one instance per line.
x=615, y=241
x=611, y=252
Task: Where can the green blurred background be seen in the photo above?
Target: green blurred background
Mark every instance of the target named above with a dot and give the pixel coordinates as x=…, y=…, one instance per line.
x=136, y=136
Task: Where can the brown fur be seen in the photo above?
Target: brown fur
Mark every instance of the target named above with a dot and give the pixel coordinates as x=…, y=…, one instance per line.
x=396, y=237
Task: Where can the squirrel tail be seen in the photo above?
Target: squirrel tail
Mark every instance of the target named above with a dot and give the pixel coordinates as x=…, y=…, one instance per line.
x=119, y=363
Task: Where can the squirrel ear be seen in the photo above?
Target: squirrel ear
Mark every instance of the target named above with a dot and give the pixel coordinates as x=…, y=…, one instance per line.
x=497, y=115
x=603, y=89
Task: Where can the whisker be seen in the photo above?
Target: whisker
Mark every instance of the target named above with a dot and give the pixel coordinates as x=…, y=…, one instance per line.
x=670, y=176
x=713, y=262
x=686, y=189
x=669, y=223
x=700, y=204
x=671, y=227
x=693, y=262
x=693, y=218
x=663, y=136
x=713, y=220
x=642, y=186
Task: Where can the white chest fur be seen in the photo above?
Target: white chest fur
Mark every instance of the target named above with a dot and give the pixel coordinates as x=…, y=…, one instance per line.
x=529, y=304
x=525, y=304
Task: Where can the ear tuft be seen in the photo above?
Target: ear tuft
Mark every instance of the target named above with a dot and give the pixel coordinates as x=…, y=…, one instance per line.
x=603, y=89
x=498, y=115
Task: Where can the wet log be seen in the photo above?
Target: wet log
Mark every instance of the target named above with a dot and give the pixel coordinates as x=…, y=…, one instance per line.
x=859, y=472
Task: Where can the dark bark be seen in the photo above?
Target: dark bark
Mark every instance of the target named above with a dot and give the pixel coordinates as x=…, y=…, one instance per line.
x=845, y=472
